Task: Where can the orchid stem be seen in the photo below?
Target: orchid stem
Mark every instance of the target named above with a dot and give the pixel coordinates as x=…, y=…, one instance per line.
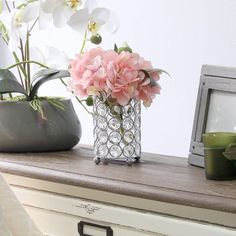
x=18, y=64
x=90, y=113
x=84, y=41
x=27, y=55
x=5, y=40
x=22, y=52
x=23, y=62
x=21, y=80
x=4, y=34
x=33, y=25
x=8, y=8
x=63, y=82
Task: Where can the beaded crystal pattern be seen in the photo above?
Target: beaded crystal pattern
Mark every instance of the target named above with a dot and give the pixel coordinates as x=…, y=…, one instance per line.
x=117, y=131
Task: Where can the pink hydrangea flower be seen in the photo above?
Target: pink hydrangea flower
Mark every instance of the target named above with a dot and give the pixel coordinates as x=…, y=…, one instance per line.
x=120, y=76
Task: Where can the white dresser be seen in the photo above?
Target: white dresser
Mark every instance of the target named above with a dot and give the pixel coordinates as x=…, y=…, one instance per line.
x=66, y=194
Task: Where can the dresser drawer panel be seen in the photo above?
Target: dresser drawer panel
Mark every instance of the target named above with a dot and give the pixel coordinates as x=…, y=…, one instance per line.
x=58, y=224
x=140, y=220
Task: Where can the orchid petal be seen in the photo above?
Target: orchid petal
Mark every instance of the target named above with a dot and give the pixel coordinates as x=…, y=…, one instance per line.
x=113, y=23
x=37, y=55
x=30, y=12
x=48, y=6
x=12, y=45
x=18, y=30
x=100, y=15
x=44, y=20
x=6, y=17
x=90, y=5
x=64, y=61
x=61, y=14
x=79, y=20
x=22, y=32
x=50, y=56
x=51, y=52
x=55, y=58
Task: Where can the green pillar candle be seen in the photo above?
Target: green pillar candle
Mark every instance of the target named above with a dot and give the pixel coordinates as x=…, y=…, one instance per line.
x=217, y=166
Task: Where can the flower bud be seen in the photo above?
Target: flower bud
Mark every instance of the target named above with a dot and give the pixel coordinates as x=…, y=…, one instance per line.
x=125, y=49
x=89, y=101
x=96, y=39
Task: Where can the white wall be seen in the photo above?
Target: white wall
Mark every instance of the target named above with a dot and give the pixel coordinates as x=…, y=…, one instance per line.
x=178, y=36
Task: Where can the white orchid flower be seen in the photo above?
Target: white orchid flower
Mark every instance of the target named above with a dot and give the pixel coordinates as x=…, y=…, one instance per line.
x=93, y=21
x=17, y=23
x=49, y=56
x=61, y=10
x=5, y=18
x=16, y=29
x=79, y=20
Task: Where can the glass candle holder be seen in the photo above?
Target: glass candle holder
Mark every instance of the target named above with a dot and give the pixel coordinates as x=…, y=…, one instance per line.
x=117, y=131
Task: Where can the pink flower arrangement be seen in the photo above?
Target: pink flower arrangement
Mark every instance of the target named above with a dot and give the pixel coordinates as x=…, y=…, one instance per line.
x=117, y=76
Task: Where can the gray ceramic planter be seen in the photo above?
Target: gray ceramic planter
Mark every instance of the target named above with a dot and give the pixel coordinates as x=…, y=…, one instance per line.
x=23, y=130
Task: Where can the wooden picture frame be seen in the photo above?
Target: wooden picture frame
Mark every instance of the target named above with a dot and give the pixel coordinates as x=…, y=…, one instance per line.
x=213, y=80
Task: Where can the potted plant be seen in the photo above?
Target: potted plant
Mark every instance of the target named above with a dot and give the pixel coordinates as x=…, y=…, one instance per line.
x=30, y=123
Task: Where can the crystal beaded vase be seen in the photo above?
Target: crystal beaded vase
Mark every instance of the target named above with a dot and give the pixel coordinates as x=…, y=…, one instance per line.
x=117, y=131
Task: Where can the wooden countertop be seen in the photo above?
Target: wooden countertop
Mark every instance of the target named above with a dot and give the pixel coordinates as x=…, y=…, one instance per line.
x=157, y=177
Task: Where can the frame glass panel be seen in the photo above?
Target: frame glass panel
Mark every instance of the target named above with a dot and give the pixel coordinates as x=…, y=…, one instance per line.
x=221, y=115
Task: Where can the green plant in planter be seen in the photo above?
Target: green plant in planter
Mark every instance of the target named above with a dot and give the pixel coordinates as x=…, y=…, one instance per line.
x=9, y=84
x=30, y=123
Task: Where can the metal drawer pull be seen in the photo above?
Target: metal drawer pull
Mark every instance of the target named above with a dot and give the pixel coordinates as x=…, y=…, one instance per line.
x=81, y=224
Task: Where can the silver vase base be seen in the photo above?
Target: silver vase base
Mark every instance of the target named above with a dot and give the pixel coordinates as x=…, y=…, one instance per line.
x=124, y=161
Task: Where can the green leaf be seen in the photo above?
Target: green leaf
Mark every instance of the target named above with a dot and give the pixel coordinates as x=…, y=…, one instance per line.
x=43, y=73
x=44, y=76
x=153, y=82
x=115, y=48
x=146, y=73
x=162, y=71
x=0, y=6
x=9, y=83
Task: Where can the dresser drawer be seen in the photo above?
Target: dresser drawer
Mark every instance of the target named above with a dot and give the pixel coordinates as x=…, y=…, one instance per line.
x=58, y=224
x=59, y=215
